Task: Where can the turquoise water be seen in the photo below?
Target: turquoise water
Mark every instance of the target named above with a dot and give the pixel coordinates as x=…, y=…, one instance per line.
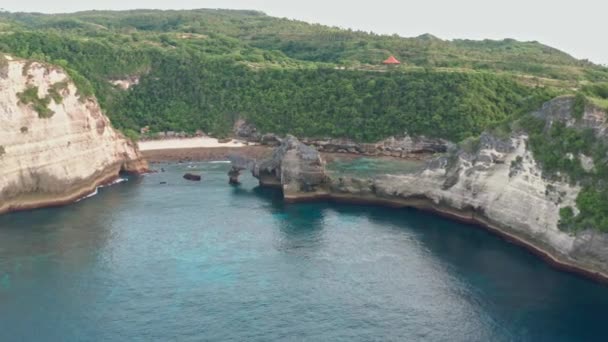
x=368, y=167
x=204, y=261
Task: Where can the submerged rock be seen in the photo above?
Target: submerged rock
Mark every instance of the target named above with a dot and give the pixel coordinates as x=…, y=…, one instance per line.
x=192, y=177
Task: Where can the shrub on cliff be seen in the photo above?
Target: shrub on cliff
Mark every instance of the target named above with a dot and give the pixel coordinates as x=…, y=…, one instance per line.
x=55, y=91
x=3, y=66
x=557, y=150
x=30, y=97
x=578, y=109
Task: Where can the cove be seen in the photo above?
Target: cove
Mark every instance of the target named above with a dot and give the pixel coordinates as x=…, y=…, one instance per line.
x=144, y=261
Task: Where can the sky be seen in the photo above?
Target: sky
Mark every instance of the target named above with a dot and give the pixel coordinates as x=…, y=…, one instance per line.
x=576, y=27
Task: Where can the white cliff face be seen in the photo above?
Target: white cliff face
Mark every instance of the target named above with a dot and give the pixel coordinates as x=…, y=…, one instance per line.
x=498, y=185
x=515, y=196
x=502, y=189
x=45, y=161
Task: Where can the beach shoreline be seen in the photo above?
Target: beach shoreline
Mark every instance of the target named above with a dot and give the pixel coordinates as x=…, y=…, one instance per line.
x=186, y=143
x=205, y=153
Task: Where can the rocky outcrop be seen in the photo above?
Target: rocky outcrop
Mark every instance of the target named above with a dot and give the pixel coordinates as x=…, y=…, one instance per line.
x=192, y=177
x=400, y=147
x=296, y=168
x=238, y=164
x=499, y=186
x=59, y=157
x=496, y=184
x=561, y=108
x=245, y=130
x=405, y=146
x=127, y=82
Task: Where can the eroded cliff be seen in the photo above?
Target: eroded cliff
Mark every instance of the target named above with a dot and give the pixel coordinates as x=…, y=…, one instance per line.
x=496, y=183
x=55, y=146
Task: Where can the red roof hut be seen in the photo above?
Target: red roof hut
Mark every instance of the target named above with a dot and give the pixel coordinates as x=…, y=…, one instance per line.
x=391, y=61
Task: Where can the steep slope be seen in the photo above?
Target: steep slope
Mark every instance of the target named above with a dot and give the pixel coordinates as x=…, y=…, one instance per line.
x=55, y=146
x=498, y=183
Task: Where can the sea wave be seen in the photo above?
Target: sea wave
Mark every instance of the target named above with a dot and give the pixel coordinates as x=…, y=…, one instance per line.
x=96, y=191
x=220, y=162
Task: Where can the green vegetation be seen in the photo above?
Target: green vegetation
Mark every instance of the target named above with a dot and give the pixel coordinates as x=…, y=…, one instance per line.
x=2, y=151
x=597, y=94
x=55, y=91
x=30, y=97
x=309, y=42
x=557, y=149
x=3, y=66
x=580, y=102
x=131, y=134
x=202, y=69
x=366, y=106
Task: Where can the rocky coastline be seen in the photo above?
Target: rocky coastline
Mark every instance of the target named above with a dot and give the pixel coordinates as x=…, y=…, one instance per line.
x=56, y=146
x=498, y=186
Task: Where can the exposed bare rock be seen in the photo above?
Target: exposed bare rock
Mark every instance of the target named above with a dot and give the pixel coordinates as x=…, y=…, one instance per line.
x=482, y=187
x=55, y=160
x=498, y=185
x=586, y=162
x=245, y=130
x=270, y=139
x=401, y=147
x=192, y=177
x=296, y=168
x=126, y=83
x=238, y=164
x=561, y=109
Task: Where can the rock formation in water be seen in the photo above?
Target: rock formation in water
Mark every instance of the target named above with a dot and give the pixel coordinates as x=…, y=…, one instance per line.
x=238, y=164
x=192, y=177
x=55, y=145
x=498, y=184
x=296, y=168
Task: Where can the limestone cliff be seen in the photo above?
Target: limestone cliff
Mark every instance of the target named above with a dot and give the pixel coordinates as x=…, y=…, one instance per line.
x=501, y=187
x=497, y=184
x=57, y=147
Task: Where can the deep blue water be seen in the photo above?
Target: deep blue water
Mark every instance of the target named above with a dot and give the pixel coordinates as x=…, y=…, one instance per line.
x=205, y=261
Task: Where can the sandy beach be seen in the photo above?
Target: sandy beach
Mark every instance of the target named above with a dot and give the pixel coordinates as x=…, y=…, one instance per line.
x=198, y=149
x=200, y=142
x=205, y=153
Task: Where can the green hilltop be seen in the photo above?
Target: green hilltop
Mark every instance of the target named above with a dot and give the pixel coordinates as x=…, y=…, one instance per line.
x=202, y=69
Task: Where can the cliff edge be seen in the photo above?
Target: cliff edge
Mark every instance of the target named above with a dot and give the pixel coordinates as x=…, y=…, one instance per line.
x=55, y=145
x=496, y=183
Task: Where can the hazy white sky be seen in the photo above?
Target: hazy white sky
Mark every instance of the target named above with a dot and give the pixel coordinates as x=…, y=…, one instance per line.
x=577, y=27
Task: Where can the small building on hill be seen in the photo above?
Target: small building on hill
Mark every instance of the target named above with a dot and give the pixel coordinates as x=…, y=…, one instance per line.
x=391, y=61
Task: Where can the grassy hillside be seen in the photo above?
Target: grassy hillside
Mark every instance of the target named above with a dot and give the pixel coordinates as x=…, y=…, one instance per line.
x=319, y=43
x=201, y=69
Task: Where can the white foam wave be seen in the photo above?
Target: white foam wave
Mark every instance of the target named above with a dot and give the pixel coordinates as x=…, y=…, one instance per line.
x=96, y=191
x=220, y=162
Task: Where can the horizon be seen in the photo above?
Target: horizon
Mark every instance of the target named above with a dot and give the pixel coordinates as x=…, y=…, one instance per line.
x=469, y=16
